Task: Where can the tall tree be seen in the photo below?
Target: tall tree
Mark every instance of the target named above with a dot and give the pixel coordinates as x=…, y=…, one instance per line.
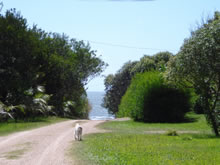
x=198, y=63
x=18, y=53
x=30, y=57
x=116, y=86
x=69, y=66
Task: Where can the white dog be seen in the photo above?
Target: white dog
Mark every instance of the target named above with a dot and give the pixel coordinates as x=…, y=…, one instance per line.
x=78, y=132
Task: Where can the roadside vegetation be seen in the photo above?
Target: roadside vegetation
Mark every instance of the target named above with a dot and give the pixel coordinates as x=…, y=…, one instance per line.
x=117, y=85
x=164, y=87
x=150, y=99
x=131, y=143
x=12, y=127
x=42, y=73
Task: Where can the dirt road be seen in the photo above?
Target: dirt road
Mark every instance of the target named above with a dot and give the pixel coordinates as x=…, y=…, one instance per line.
x=43, y=146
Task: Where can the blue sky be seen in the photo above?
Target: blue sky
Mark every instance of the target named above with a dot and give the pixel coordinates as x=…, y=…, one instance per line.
x=153, y=25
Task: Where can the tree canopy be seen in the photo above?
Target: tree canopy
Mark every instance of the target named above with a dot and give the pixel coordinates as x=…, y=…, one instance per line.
x=198, y=64
x=116, y=85
x=31, y=57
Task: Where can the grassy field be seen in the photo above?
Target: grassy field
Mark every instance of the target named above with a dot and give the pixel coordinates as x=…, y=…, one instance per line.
x=11, y=126
x=131, y=143
x=196, y=123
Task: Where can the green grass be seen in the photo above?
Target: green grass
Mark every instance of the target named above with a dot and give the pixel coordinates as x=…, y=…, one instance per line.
x=11, y=126
x=128, y=144
x=130, y=126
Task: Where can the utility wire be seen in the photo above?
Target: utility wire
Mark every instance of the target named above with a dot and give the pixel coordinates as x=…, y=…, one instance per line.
x=125, y=46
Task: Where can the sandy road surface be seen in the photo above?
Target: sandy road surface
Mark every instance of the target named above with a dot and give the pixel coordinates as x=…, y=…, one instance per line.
x=42, y=146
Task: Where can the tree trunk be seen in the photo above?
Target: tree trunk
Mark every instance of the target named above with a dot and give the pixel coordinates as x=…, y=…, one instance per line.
x=214, y=124
x=211, y=117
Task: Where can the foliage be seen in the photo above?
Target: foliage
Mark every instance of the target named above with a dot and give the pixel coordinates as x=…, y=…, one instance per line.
x=128, y=143
x=132, y=103
x=156, y=62
x=165, y=104
x=5, y=113
x=198, y=106
x=198, y=64
x=149, y=99
x=67, y=71
x=82, y=108
x=116, y=85
x=18, y=48
x=35, y=104
x=31, y=57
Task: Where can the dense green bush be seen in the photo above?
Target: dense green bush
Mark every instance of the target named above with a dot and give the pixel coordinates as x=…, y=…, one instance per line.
x=132, y=103
x=150, y=99
x=116, y=85
x=165, y=104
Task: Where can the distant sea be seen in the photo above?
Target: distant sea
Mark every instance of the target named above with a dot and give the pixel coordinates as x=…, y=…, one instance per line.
x=98, y=112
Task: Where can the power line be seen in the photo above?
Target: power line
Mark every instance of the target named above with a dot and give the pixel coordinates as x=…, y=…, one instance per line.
x=126, y=46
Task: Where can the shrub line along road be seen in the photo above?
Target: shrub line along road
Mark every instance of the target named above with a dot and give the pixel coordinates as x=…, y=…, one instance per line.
x=46, y=145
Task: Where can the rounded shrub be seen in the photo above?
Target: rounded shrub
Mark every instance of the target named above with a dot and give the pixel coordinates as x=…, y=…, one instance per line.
x=165, y=104
x=132, y=103
x=150, y=99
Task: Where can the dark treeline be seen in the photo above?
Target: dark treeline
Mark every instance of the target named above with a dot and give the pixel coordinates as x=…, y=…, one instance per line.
x=163, y=87
x=42, y=73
